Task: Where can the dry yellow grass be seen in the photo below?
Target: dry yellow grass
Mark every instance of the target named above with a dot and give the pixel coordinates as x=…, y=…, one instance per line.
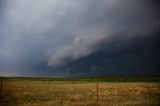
x=61, y=93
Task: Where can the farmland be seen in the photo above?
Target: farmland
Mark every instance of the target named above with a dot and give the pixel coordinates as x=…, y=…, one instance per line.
x=80, y=92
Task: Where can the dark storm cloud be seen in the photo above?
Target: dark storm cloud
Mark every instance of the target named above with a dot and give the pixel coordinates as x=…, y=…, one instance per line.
x=105, y=21
x=139, y=56
x=40, y=36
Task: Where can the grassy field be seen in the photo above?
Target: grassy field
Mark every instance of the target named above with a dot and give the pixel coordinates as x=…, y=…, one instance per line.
x=80, y=92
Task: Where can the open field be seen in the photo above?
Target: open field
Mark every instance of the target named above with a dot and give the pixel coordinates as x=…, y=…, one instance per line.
x=48, y=92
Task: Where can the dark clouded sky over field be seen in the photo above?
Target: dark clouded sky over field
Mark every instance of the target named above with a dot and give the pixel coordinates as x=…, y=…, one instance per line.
x=79, y=38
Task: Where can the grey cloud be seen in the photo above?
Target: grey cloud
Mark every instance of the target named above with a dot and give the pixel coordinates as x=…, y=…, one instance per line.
x=104, y=20
x=60, y=31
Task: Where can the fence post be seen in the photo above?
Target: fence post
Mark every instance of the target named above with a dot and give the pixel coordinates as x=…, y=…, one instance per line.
x=1, y=87
x=97, y=94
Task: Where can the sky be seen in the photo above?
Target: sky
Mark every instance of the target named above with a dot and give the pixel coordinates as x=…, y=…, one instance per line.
x=73, y=38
